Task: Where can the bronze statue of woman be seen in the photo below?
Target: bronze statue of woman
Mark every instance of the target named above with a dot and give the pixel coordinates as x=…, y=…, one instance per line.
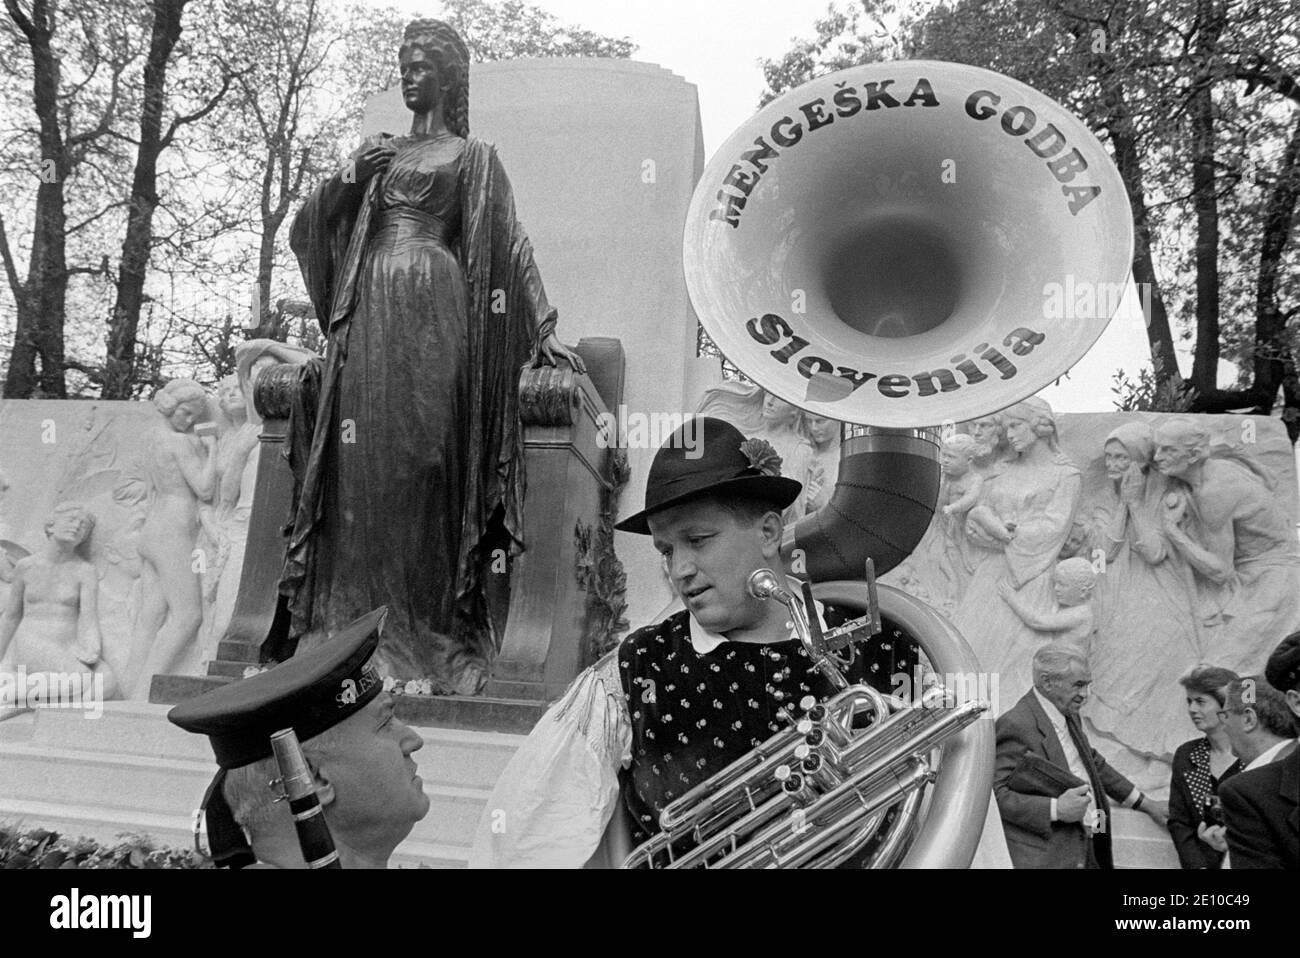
x=428, y=294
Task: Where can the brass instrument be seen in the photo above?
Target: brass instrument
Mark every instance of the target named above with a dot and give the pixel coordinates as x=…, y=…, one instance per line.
x=822, y=791
x=892, y=246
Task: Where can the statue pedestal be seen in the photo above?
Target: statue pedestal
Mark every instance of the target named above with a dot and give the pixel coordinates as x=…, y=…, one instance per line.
x=546, y=641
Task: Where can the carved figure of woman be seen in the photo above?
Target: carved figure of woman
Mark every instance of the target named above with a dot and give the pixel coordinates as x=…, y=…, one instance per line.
x=425, y=285
x=1034, y=497
x=181, y=468
x=50, y=622
x=1148, y=634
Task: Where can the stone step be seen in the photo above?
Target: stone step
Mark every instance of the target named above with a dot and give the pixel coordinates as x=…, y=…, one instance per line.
x=1138, y=842
x=449, y=756
x=107, y=784
x=174, y=831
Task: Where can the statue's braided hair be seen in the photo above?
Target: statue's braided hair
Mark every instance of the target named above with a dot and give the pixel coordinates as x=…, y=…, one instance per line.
x=445, y=47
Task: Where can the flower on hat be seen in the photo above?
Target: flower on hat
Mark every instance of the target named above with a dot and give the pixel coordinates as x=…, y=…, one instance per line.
x=762, y=456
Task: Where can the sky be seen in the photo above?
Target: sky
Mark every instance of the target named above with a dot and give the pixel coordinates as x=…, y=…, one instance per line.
x=717, y=45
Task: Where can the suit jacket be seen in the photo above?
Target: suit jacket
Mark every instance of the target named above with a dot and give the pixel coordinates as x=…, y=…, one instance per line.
x=1034, y=840
x=1262, y=809
x=1191, y=775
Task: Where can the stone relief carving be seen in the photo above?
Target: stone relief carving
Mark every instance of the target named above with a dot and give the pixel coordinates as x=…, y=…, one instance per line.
x=180, y=464
x=1187, y=523
x=1152, y=542
x=50, y=620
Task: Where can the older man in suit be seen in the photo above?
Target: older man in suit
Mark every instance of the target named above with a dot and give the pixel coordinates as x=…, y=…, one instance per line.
x=1262, y=807
x=1072, y=828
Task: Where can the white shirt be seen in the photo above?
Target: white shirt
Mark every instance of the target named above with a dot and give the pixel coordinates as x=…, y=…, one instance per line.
x=1268, y=755
x=1072, y=756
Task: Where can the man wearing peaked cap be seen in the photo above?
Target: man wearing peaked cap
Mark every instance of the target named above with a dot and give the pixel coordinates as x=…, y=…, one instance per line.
x=366, y=780
x=1262, y=805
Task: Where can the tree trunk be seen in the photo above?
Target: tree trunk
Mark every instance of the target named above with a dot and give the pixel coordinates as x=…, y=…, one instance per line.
x=1205, y=362
x=41, y=300
x=1128, y=161
x=119, y=360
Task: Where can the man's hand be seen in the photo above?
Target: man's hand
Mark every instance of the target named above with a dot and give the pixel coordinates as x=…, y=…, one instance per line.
x=1158, y=812
x=1213, y=835
x=1072, y=803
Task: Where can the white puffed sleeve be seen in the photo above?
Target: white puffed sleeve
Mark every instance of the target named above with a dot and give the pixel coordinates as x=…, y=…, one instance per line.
x=552, y=803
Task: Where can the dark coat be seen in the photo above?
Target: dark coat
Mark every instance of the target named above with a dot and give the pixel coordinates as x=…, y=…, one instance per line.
x=1192, y=762
x=1262, y=809
x=1034, y=840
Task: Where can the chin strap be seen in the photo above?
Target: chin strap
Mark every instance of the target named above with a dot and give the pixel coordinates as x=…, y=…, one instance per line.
x=227, y=844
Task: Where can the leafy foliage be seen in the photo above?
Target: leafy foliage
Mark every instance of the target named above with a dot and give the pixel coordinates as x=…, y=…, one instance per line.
x=42, y=848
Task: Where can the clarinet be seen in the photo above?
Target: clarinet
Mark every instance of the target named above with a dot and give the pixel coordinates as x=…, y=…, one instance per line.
x=299, y=788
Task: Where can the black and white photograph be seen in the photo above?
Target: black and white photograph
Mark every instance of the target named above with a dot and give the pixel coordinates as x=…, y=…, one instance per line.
x=570, y=435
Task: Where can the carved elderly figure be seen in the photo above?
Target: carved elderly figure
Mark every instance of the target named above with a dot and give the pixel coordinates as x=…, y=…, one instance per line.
x=1231, y=529
x=50, y=621
x=1034, y=498
x=1148, y=635
x=181, y=469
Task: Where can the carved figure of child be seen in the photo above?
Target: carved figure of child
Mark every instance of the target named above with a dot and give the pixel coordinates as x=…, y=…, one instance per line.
x=962, y=484
x=1071, y=620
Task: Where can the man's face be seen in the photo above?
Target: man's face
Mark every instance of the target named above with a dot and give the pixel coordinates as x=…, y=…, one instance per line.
x=709, y=555
x=378, y=797
x=1238, y=725
x=1173, y=456
x=985, y=432
x=1069, y=692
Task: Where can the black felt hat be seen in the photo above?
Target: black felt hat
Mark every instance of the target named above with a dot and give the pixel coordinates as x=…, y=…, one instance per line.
x=710, y=457
x=310, y=693
x=1283, y=668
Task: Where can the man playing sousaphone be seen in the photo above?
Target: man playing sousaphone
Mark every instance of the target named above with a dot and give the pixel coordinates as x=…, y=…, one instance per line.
x=683, y=698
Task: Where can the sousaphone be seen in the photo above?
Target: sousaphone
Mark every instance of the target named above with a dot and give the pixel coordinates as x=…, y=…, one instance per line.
x=898, y=246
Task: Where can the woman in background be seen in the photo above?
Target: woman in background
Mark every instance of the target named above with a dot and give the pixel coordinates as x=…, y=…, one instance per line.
x=1200, y=766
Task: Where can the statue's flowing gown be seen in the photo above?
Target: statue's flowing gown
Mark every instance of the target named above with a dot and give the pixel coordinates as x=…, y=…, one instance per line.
x=426, y=284
x=396, y=497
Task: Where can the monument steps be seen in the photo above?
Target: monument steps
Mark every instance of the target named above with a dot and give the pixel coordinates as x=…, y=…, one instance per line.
x=131, y=771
